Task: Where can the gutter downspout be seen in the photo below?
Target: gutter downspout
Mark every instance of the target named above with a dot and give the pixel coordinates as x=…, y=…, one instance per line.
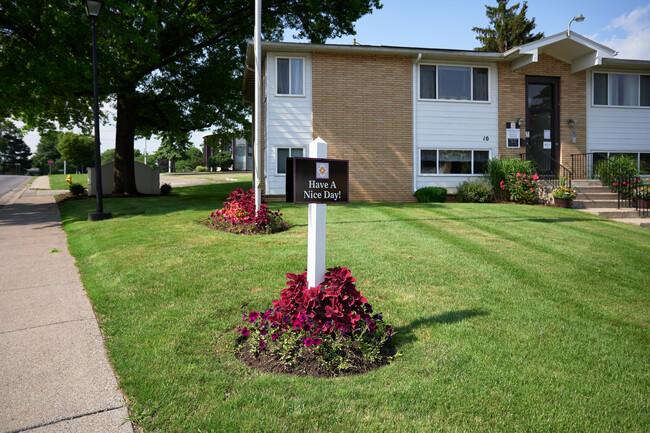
x=414, y=120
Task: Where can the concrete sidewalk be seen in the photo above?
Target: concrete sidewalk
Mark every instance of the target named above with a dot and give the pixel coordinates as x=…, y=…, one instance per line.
x=54, y=372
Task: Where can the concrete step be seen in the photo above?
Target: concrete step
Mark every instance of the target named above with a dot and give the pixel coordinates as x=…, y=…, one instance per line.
x=586, y=183
x=596, y=204
x=596, y=196
x=592, y=189
x=616, y=214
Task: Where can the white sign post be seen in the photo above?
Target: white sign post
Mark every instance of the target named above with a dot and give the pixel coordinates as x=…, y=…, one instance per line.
x=317, y=214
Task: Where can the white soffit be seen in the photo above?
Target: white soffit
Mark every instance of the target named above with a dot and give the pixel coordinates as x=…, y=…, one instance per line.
x=581, y=53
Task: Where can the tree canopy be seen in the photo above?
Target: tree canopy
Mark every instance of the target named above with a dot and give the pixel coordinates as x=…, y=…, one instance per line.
x=13, y=149
x=46, y=150
x=171, y=65
x=509, y=27
x=77, y=149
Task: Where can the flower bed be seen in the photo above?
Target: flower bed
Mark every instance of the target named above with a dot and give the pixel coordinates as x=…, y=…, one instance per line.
x=327, y=330
x=238, y=216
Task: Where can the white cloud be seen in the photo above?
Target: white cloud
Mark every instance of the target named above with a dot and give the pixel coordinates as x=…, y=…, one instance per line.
x=633, y=38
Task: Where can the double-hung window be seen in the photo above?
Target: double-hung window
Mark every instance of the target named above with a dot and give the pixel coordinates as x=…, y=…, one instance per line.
x=449, y=161
x=285, y=152
x=290, y=76
x=621, y=90
x=455, y=83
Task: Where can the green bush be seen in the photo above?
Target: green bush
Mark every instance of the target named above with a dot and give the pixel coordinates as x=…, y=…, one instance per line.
x=431, y=194
x=475, y=191
x=608, y=173
x=77, y=189
x=221, y=159
x=498, y=169
x=165, y=189
x=200, y=168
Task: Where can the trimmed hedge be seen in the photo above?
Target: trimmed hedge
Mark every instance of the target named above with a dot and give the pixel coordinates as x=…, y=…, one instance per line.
x=431, y=194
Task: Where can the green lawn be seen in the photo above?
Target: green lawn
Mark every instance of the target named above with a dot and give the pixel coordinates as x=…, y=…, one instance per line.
x=508, y=318
x=57, y=181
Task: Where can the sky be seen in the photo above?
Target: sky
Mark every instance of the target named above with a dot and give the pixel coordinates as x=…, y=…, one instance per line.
x=623, y=25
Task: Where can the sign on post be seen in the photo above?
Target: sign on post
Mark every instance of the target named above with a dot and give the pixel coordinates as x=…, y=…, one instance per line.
x=316, y=180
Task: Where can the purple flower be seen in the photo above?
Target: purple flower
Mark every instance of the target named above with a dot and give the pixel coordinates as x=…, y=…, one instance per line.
x=245, y=332
x=308, y=342
x=372, y=325
x=317, y=341
x=252, y=317
x=262, y=344
x=274, y=336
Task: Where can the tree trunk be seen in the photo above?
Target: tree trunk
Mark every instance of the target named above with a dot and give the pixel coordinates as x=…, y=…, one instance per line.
x=124, y=144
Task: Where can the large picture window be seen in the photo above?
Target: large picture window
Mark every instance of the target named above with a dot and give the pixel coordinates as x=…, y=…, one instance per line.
x=451, y=161
x=456, y=83
x=285, y=152
x=621, y=90
x=290, y=76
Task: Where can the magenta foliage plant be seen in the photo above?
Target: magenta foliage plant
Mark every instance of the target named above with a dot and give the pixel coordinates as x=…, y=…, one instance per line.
x=238, y=215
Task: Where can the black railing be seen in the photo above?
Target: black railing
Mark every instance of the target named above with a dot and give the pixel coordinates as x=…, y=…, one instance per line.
x=611, y=174
x=549, y=169
x=642, y=198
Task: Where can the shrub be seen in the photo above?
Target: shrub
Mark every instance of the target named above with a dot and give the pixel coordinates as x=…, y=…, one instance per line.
x=238, y=215
x=564, y=192
x=522, y=187
x=221, y=159
x=324, y=330
x=165, y=189
x=475, y=191
x=497, y=171
x=431, y=194
x=615, y=173
x=77, y=189
x=200, y=168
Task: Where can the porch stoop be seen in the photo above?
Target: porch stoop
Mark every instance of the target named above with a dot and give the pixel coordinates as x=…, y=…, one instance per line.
x=596, y=199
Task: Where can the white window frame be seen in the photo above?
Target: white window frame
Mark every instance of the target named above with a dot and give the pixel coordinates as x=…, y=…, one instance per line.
x=609, y=102
x=277, y=71
x=438, y=174
x=471, y=92
x=277, y=159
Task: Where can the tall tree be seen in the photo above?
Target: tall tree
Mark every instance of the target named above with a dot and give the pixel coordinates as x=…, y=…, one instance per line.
x=46, y=150
x=167, y=65
x=77, y=149
x=508, y=28
x=13, y=150
x=173, y=147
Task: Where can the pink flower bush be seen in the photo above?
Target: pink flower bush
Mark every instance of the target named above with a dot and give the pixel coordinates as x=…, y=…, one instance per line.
x=522, y=187
x=238, y=215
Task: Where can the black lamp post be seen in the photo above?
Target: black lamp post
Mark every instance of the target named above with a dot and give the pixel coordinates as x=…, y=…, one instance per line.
x=92, y=10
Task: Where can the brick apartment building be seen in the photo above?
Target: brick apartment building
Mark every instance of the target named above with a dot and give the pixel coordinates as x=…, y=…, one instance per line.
x=406, y=118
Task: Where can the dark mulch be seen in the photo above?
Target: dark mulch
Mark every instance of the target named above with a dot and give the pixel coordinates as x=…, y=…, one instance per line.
x=309, y=364
x=69, y=197
x=243, y=229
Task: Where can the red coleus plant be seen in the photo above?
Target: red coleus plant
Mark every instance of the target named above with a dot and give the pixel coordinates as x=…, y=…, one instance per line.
x=335, y=304
x=238, y=213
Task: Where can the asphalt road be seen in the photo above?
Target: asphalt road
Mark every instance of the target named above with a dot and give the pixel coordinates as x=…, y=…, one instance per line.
x=9, y=182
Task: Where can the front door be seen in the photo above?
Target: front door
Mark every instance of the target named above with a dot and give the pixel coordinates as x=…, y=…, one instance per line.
x=542, y=122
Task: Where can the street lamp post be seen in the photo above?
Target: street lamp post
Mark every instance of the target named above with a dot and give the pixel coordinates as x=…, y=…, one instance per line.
x=92, y=10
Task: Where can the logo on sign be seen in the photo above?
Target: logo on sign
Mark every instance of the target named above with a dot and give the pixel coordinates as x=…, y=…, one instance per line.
x=322, y=170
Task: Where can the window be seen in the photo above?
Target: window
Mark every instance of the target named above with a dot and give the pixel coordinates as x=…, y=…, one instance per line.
x=621, y=90
x=457, y=83
x=285, y=152
x=448, y=161
x=290, y=76
x=642, y=159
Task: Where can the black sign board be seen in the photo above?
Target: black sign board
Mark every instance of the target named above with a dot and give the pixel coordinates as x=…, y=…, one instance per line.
x=316, y=180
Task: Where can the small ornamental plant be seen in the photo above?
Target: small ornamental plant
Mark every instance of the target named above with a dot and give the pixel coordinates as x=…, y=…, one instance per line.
x=327, y=330
x=238, y=216
x=523, y=188
x=564, y=192
x=642, y=192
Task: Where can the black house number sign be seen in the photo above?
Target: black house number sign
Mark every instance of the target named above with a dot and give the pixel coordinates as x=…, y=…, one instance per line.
x=315, y=180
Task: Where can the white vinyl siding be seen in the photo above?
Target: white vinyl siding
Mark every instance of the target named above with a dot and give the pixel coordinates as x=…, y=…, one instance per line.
x=287, y=120
x=617, y=129
x=454, y=125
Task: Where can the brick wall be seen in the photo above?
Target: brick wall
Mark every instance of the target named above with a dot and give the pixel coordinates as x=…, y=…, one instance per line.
x=573, y=100
x=362, y=108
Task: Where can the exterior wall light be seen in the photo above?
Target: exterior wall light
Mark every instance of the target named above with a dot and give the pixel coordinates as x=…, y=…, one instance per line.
x=571, y=123
x=520, y=121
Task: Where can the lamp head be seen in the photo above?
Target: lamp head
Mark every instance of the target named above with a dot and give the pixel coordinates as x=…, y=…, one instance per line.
x=93, y=7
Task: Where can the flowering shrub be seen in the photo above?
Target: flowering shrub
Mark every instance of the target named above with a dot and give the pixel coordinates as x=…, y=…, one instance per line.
x=642, y=192
x=564, y=192
x=523, y=188
x=332, y=323
x=238, y=215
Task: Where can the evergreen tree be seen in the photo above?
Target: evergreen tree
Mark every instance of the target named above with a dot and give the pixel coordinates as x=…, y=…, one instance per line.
x=13, y=149
x=508, y=28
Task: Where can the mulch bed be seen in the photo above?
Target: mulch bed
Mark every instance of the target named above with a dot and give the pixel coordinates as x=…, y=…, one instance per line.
x=309, y=364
